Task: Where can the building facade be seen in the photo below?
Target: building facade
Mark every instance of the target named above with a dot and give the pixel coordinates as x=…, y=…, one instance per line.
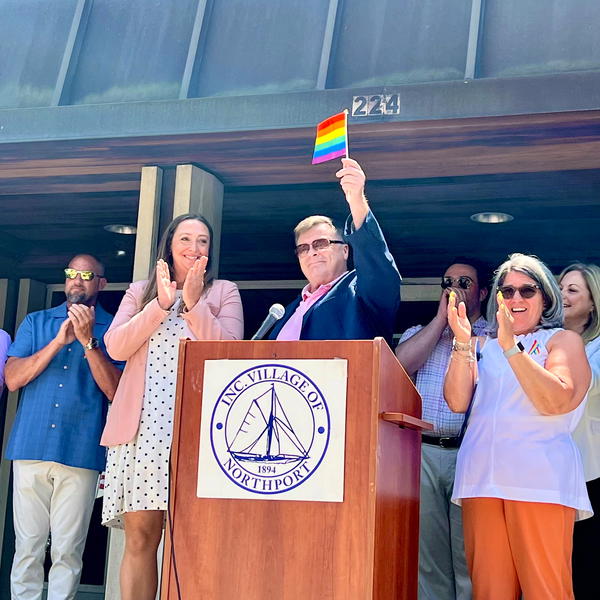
x=127, y=113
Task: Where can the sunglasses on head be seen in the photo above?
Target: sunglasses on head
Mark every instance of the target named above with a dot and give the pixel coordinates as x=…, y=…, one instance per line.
x=85, y=275
x=464, y=282
x=320, y=244
x=525, y=291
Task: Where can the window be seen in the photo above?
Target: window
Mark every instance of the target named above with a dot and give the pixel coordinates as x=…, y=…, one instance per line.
x=33, y=36
x=133, y=50
x=400, y=41
x=525, y=37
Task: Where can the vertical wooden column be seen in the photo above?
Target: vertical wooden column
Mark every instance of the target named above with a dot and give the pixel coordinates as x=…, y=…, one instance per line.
x=201, y=192
x=147, y=223
x=31, y=296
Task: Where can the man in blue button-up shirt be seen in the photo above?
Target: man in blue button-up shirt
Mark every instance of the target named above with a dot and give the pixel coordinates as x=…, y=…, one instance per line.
x=59, y=361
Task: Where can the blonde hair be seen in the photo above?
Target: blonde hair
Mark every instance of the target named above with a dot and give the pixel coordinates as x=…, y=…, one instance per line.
x=311, y=222
x=591, y=276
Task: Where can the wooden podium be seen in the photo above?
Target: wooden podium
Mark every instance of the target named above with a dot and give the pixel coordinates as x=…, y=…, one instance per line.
x=365, y=547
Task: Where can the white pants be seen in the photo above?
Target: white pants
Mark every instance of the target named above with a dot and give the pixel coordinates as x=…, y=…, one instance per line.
x=48, y=496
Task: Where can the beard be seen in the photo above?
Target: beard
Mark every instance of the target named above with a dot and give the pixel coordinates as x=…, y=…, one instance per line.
x=76, y=296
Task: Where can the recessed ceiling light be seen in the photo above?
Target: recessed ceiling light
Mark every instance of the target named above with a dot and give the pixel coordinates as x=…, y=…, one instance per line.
x=123, y=229
x=491, y=217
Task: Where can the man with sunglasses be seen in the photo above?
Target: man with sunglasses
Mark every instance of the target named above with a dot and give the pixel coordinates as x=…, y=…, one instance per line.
x=59, y=361
x=424, y=353
x=339, y=303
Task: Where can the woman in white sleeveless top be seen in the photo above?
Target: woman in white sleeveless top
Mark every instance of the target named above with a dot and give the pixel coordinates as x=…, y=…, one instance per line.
x=519, y=475
x=580, y=287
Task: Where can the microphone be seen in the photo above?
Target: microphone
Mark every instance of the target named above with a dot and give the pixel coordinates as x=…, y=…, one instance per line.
x=275, y=313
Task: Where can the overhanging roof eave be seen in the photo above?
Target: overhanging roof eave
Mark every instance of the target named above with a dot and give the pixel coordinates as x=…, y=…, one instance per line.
x=425, y=101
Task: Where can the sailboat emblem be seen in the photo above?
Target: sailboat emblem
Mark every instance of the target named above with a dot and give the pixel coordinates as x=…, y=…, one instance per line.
x=266, y=434
x=270, y=428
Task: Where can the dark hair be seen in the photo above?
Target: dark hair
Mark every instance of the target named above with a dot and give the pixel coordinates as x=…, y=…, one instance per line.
x=483, y=271
x=164, y=252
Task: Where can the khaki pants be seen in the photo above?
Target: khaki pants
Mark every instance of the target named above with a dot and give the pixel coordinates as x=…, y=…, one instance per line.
x=443, y=573
x=515, y=547
x=48, y=496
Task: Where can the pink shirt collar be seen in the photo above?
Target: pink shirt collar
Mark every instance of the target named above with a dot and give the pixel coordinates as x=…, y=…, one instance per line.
x=292, y=329
x=321, y=290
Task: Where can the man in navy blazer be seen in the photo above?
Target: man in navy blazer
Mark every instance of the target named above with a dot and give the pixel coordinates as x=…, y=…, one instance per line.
x=337, y=303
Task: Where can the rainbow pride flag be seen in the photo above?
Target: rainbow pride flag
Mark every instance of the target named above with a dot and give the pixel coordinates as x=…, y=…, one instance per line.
x=332, y=138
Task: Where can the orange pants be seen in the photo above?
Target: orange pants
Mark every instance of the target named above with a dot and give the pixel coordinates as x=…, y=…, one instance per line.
x=515, y=547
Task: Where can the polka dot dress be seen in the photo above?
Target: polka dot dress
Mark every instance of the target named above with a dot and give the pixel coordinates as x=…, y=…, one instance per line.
x=137, y=473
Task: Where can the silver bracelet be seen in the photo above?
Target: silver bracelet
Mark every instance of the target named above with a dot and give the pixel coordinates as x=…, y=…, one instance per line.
x=461, y=346
x=468, y=358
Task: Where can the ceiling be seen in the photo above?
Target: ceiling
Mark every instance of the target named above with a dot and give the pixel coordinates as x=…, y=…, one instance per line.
x=425, y=179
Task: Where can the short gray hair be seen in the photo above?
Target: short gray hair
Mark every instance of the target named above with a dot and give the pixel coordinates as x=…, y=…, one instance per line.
x=552, y=314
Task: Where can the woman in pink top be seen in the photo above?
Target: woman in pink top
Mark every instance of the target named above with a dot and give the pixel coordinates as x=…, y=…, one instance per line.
x=180, y=300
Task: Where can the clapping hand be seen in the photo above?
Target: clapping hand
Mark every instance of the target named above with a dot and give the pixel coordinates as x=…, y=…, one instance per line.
x=83, y=318
x=506, y=335
x=66, y=335
x=442, y=311
x=165, y=288
x=193, y=286
x=458, y=320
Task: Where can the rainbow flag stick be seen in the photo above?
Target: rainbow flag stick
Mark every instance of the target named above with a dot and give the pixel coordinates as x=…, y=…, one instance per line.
x=332, y=138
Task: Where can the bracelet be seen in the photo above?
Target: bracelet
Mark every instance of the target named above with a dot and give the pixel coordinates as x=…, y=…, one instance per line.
x=468, y=358
x=464, y=346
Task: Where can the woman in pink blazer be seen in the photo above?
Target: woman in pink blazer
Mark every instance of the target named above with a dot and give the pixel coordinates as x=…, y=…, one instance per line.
x=180, y=300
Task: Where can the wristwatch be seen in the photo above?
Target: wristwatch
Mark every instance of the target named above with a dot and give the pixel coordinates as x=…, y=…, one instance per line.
x=518, y=347
x=92, y=344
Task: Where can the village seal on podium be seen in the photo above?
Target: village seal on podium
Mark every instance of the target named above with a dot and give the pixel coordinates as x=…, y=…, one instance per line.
x=270, y=429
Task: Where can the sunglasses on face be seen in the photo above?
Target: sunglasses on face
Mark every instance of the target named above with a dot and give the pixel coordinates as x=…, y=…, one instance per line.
x=463, y=282
x=525, y=291
x=85, y=275
x=320, y=244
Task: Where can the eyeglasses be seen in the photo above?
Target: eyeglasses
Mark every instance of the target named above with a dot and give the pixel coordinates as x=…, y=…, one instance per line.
x=525, y=291
x=320, y=244
x=85, y=275
x=464, y=282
